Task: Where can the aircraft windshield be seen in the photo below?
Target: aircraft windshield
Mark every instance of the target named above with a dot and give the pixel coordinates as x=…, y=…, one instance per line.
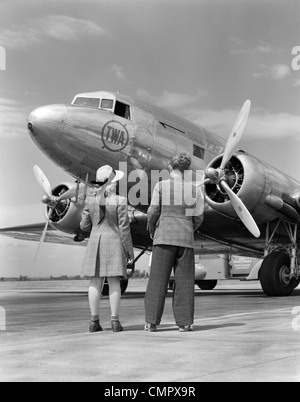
x=107, y=103
x=118, y=108
x=94, y=102
x=90, y=102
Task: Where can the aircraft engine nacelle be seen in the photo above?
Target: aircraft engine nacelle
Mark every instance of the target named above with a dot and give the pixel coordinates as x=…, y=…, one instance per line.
x=67, y=214
x=247, y=177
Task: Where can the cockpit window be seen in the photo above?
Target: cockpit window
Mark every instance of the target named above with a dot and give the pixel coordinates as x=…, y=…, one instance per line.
x=107, y=104
x=118, y=108
x=122, y=110
x=89, y=102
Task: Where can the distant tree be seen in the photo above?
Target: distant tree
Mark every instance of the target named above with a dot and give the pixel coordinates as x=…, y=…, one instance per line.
x=23, y=278
x=63, y=277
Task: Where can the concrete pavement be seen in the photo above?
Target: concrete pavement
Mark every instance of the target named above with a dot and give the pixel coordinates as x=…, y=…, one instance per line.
x=239, y=335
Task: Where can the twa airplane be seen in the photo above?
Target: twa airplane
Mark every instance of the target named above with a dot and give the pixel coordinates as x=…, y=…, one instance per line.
x=252, y=209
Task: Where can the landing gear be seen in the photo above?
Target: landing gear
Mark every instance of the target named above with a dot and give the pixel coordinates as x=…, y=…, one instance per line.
x=280, y=273
x=275, y=275
x=123, y=284
x=207, y=285
x=203, y=285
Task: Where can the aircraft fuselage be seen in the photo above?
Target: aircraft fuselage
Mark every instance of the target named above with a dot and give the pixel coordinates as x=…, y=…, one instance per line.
x=79, y=138
x=108, y=128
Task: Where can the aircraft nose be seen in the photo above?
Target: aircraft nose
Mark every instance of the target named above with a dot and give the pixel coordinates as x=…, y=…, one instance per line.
x=46, y=119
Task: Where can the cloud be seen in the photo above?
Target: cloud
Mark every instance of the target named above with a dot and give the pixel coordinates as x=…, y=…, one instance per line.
x=13, y=118
x=238, y=44
x=59, y=27
x=118, y=71
x=19, y=39
x=276, y=72
x=238, y=51
x=262, y=124
x=241, y=47
x=171, y=100
x=67, y=28
x=264, y=47
x=296, y=83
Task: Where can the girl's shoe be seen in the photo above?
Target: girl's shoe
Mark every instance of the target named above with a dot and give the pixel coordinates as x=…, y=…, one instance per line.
x=116, y=326
x=95, y=327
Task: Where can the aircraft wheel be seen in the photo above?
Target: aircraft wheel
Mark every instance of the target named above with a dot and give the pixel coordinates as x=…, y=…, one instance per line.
x=207, y=285
x=274, y=275
x=123, y=283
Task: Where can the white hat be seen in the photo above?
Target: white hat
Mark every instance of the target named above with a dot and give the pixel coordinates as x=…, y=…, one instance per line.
x=107, y=174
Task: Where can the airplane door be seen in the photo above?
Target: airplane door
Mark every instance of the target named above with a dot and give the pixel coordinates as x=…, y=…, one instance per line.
x=141, y=151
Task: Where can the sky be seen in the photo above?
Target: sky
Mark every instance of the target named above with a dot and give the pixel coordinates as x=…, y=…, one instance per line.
x=198, y=58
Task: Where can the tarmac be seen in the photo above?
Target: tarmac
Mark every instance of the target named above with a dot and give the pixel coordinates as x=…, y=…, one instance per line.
x=240, y=335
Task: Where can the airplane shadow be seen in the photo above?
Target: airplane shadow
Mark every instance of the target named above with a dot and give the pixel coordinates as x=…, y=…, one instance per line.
x=244, y=293
x=201, y=328
x=217, y=293
x=198, y=293
x=258, y=293
x=197, y=328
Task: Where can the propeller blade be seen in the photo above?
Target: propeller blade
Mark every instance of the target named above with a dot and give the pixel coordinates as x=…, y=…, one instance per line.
x=71, y=193
x=43, y=234
x=206, y=181
x=241, y=210
x=42, y=180
x=236, y=133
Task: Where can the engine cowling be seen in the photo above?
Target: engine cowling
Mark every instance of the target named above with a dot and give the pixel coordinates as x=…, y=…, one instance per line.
x=67, y=214
x=265, y=191
x=246, y=177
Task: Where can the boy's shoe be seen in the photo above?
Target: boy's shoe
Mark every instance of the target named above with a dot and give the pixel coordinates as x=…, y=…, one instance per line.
x=116, y=326
x=150, y=327
x=95, y=327
x=186, y=328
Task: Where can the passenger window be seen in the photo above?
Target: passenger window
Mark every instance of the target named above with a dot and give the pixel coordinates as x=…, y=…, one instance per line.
x=122, y=110
x=198, y=152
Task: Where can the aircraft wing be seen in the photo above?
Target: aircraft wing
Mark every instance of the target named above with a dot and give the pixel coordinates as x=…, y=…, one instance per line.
x=140, y=238
x=33, y=233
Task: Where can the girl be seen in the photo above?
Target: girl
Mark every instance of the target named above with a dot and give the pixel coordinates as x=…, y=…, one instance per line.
x=109, y=249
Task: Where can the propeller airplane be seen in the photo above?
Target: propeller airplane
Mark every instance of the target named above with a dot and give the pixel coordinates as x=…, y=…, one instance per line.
x=252, y=209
